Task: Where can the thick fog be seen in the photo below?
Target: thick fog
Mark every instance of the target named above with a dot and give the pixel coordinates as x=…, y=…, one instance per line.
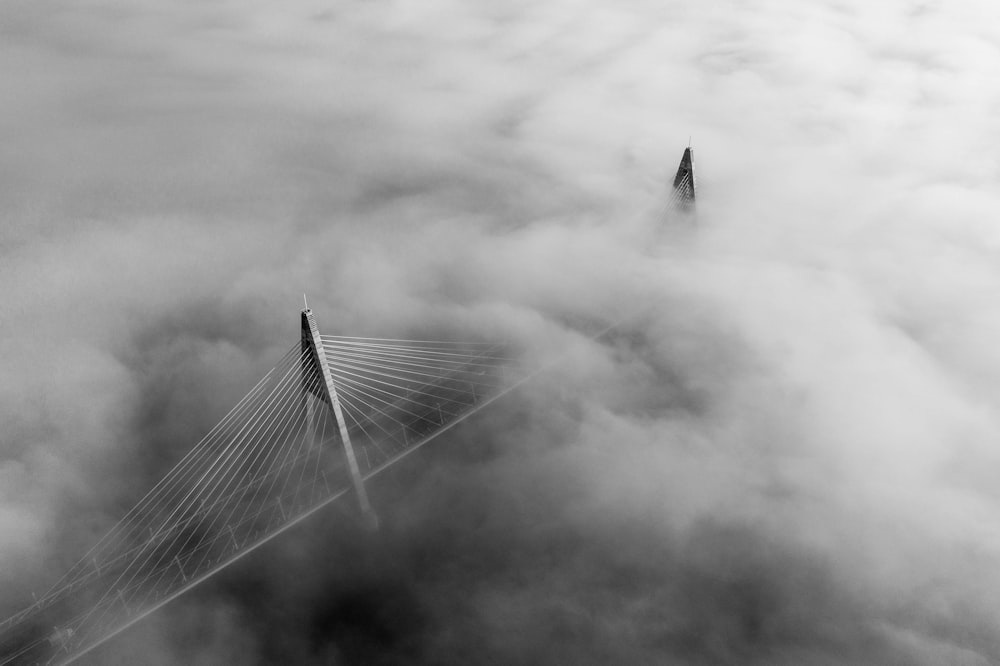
x=787, y=452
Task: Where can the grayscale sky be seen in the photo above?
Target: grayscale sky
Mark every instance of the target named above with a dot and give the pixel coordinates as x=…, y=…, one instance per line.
x=790, y=455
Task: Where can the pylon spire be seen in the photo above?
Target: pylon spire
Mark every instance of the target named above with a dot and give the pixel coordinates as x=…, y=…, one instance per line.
x=684, y=193
x=313, y=363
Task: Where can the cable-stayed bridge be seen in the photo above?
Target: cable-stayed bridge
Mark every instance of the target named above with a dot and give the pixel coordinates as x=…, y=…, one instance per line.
x=332, y=413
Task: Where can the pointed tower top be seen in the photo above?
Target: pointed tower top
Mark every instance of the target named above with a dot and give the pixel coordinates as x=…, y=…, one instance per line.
x=683, y=195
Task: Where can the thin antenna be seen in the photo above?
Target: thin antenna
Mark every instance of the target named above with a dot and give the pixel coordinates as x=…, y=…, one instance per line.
x=689, y=140
x=305, y=301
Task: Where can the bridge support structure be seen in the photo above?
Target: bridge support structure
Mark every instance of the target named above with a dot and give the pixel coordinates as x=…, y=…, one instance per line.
x=317, y=382
x=685, y=190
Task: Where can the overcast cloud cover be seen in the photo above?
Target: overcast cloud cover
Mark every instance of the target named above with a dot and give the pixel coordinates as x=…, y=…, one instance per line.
x=789, y=455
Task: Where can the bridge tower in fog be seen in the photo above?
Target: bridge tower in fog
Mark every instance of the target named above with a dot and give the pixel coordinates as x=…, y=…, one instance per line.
x=684, y=194
x=317, y=383
x=333, y=412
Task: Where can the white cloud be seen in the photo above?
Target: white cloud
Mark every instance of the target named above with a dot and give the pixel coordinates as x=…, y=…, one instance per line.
x=812, y=389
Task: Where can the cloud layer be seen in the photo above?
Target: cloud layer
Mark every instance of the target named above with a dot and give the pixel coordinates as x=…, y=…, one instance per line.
x=787, y=452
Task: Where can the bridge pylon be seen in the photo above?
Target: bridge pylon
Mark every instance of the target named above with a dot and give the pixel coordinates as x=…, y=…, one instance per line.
x=317, y=383
x=684, y=190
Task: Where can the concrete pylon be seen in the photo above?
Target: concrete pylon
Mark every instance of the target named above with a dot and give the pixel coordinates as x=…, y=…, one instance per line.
x=318, y=383
x=685, y=190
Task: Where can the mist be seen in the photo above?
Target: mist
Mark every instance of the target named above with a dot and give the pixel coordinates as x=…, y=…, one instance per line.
x=784, y=453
